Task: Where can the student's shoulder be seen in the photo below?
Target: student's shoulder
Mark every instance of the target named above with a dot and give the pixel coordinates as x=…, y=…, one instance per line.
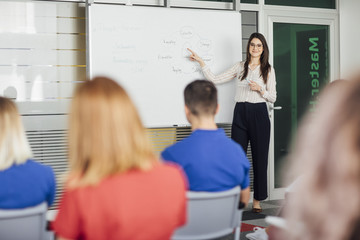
x=230, y=142
x=180, y=145
x=170, y=149
x=239, y=153
x=34, y=164
x=39, y=167
x=235, y=146
x=174, y=153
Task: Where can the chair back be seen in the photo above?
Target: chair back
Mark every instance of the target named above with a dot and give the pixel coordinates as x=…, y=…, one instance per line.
x=26, y=223
x=211, y=215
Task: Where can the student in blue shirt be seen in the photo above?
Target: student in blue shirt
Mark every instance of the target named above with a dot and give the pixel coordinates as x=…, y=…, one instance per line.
x=212, y=161
x=23, y=182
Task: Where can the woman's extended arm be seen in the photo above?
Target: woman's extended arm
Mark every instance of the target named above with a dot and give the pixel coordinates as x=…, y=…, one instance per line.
x=221, y=78
x=195, y=57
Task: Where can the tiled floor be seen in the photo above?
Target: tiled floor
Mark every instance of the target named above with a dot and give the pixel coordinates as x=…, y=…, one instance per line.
x=251, y=220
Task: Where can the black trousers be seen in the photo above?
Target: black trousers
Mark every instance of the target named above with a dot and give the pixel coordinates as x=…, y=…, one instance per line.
x=251, y=123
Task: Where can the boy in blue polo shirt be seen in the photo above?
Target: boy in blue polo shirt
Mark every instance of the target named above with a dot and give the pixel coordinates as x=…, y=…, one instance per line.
x=212, y=161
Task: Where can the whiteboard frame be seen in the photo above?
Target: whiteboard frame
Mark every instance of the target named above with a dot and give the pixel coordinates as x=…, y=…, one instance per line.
x=234, y=6
x=167, y=5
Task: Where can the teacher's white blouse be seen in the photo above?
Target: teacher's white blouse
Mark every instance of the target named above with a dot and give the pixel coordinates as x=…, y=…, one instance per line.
x=243, y=91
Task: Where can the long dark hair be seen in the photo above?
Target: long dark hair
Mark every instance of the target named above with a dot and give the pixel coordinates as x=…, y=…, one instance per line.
x=264, y=58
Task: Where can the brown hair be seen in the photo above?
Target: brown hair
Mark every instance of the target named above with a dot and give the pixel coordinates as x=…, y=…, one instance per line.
x=106, y=135
x=327, y=156
x=201, y=97
x=264, y=58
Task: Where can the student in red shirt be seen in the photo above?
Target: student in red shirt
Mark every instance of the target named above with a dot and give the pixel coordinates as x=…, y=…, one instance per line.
x=116, y=188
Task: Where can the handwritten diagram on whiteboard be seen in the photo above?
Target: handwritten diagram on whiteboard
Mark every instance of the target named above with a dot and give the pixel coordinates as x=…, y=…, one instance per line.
x=145, y=50
x=175, y=54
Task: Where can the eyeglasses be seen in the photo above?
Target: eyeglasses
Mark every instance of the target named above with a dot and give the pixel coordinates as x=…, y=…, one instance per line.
x=256, y=45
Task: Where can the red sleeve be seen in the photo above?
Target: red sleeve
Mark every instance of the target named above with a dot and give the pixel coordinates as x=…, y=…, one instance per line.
x=67, y=223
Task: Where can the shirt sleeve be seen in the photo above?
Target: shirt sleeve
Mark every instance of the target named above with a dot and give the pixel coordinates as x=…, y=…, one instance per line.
x=67, y=223
x=270, y=91
x=166, y=156
x=223, y=77
x=245, y=181
x=52, y=188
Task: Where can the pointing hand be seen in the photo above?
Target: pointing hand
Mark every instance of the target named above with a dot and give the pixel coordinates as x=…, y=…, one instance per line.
x=195, y=57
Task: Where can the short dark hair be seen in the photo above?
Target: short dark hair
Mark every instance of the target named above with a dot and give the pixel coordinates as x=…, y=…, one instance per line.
x=201, y=97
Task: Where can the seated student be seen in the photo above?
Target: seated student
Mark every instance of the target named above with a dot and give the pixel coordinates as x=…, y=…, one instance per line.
x=116, y=188
x=23, y=182
x=326, y=203
x=212, y=161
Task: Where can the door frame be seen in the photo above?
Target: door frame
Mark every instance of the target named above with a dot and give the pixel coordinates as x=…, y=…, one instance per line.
x=277, y=14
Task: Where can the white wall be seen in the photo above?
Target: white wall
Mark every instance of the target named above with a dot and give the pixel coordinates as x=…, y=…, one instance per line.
x=349, y=11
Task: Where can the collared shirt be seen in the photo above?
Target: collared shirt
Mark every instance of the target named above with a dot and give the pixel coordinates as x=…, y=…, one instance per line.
x=212, y=162
x=243, y=91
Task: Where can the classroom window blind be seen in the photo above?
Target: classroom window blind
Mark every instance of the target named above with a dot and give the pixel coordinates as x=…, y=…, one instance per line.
x=42, y=54
x=42, y=59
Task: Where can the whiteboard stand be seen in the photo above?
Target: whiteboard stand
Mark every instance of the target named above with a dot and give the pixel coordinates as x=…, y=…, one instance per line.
x=167, y=3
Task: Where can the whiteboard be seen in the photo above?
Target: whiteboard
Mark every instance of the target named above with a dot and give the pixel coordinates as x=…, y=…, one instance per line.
x=144, y=49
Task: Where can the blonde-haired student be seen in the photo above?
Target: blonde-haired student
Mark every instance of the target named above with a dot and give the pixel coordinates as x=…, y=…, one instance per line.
x=117, y=188
x=24, y=182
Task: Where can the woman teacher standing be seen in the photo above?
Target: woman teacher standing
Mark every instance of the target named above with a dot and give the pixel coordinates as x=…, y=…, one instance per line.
x=255, y=86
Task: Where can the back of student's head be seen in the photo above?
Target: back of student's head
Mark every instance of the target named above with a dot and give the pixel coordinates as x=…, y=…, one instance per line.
x=106, y=134
x=14, y=147
x=327, y=155
x=201, y=98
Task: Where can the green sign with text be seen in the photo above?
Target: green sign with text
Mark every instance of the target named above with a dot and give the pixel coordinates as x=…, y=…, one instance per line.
x=311, y=69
